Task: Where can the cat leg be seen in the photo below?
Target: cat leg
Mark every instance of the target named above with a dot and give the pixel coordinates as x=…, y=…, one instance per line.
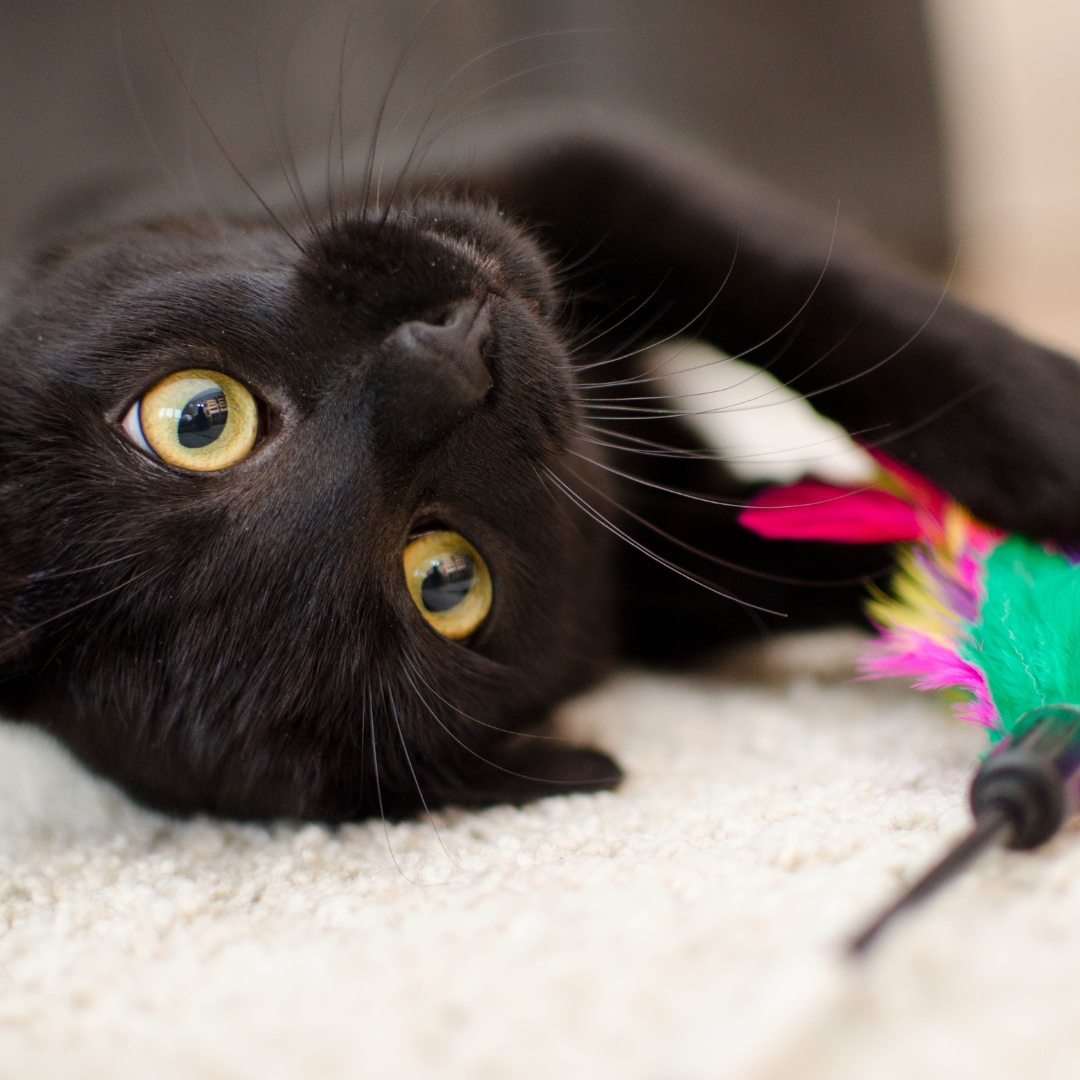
x=667, y=240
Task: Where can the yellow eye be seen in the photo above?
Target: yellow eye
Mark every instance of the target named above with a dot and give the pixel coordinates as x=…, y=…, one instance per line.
x=448, y=582
x=199, y=420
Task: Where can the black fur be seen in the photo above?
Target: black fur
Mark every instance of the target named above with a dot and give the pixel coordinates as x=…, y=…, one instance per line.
x=243, y=642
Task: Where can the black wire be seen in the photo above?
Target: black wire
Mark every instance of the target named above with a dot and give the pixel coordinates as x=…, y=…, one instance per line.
x=992, y=827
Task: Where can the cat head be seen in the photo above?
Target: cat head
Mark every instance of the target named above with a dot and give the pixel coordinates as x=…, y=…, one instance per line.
x=280, y=529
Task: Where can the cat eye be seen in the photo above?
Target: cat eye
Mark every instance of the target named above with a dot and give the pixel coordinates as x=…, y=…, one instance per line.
x=448, y=582
x=199, y=420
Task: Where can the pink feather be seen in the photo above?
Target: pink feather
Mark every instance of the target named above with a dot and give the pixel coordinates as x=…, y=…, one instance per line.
x=813, y=510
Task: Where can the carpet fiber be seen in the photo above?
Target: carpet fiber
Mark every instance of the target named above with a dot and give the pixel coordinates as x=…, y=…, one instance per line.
x=686, y=926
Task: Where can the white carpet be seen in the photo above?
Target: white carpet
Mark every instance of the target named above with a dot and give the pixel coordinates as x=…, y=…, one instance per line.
x=684, y=927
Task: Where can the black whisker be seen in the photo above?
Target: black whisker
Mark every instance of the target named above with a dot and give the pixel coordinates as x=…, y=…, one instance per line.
x=373, y=145
x=140, y=113
x=221, y=146
x=289, y=174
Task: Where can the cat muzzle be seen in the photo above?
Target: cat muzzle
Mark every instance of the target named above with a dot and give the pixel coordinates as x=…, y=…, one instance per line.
x=432, y=375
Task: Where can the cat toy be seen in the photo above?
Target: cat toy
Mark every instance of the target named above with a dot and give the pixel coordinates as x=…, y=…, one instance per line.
x=991, y=617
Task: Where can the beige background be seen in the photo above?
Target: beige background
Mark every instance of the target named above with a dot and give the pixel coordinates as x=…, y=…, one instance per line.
x=1009, y=73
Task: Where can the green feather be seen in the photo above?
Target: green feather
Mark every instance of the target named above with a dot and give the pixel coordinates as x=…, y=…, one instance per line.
x=1027, y=640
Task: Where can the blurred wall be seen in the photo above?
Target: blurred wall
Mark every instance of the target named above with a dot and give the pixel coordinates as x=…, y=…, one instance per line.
x=1010, y=79
x=831, y=99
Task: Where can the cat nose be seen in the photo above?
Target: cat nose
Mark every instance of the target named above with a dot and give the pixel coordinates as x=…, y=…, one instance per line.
x=432, y=374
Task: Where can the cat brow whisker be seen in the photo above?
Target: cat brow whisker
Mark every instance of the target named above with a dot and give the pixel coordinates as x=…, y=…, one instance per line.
x=649, y=553
x=479, y=58
x=453, y=118
x=221, y=146
x=286, y=161
x=373, y=145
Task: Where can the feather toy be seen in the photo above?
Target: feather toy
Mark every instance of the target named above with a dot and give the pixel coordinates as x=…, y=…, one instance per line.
x=993, y=618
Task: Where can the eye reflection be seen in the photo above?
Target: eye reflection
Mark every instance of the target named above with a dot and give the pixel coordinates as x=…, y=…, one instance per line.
x=198, y=420
x=449, y=583
x=202, y=419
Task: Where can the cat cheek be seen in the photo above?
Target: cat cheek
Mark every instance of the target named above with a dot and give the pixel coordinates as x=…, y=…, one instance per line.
x=132, y=428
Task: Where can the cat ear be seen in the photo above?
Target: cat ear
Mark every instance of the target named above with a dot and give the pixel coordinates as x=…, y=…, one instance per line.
x=533, y=768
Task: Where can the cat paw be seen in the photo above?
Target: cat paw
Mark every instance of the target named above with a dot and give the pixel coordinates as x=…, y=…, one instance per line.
x=536, y=768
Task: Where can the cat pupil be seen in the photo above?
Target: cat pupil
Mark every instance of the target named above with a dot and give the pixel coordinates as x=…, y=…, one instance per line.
x=203, y=419
x=448, y=582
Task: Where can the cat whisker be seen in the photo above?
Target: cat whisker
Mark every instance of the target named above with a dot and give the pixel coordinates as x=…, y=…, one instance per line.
x=380, y=116
x=772, y=456
x=482, y=723
x=140, y=112
x=279, y=224
x=91, y=600
x=652, y=344
x=649, y=553
x=416, y=780
x=337, y=121
x=475, y=753
x=479, y=58
x=717, y=361
x=925, y=421
x=696, y=496
x=286, y=161
x=580, y=347
x=378, y=791
x=765, y=341
x=455, y=116
x=52, y=575
x=728, y=565
x=891, y=356
x=743, y=406
x=648, y=326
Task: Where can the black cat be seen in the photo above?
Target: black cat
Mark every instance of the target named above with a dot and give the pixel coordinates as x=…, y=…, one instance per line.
x=322, y=517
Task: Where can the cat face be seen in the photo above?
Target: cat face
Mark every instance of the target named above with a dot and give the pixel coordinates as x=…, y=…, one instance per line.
x=279, y=528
